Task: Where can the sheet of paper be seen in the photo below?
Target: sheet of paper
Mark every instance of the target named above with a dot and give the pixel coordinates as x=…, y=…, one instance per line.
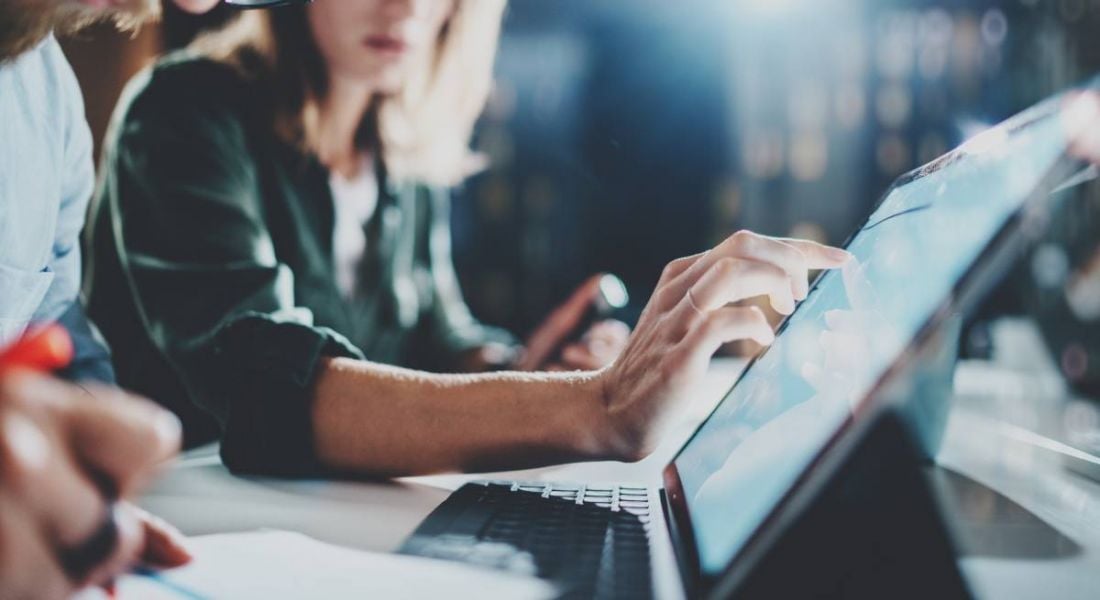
x=280, y=564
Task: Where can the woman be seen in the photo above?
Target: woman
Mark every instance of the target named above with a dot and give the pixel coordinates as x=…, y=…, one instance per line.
x=217, y=238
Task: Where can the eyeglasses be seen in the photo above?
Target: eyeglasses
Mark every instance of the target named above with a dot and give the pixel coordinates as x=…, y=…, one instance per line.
x=245, y=4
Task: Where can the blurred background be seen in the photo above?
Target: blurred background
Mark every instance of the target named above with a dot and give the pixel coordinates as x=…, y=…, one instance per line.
x=624, y=133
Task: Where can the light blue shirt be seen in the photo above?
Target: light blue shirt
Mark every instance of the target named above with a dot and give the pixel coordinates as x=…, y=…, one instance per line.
x=46, y=181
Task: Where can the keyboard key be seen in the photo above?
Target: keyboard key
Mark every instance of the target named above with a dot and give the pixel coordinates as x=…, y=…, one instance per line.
x=575, y=536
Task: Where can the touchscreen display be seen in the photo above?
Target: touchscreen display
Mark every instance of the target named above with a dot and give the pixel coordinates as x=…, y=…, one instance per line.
x=927, y=231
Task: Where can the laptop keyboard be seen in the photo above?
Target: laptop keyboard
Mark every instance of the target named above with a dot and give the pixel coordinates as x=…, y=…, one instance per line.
x=592, y=541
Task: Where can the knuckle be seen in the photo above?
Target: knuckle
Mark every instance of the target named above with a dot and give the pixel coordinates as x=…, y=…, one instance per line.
x=727, y=266
x=162, y=432
x=754, y=314
x=662, y=297
x=713, y=323
x=743, y=240
x=670, y=367
x=638, y=451
x=671, y=269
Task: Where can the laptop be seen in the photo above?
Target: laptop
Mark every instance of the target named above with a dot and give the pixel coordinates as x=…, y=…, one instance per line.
x=938, y=240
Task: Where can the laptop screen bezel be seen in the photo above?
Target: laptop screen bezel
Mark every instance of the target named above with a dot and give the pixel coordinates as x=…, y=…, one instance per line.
x=995, y=259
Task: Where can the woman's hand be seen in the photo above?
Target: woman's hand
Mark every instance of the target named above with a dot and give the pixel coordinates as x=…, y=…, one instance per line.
x=689, y=318
x=547, y=349
x=598, y=348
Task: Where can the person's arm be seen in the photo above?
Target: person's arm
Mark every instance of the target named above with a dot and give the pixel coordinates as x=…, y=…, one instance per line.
x=389, y=421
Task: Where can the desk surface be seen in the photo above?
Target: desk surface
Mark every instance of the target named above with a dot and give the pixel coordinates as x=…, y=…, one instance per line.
x=1028, y=526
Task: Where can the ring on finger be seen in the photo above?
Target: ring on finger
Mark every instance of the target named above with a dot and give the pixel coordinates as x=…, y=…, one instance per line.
x=691, y=302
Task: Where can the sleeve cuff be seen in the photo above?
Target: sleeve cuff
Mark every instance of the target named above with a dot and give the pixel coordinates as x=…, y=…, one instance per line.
x=268, y=428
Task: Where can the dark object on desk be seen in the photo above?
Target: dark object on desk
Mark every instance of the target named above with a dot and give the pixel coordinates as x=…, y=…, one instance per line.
x=590, y=541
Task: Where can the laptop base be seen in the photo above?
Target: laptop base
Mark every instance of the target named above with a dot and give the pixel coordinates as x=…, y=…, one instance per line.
x=875, y=531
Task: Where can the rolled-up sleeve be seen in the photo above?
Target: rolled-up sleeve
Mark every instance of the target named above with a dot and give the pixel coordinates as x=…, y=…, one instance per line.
x=201, y=264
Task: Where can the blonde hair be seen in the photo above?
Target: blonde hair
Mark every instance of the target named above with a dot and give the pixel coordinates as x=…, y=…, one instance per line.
x=423, y=130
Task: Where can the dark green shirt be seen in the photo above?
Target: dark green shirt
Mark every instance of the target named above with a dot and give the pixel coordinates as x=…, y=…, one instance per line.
x=213, y=275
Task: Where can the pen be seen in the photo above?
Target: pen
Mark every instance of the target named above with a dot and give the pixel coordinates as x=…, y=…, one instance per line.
x=43, y=349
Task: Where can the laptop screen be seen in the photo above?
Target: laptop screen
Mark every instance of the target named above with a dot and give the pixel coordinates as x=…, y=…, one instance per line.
x=927, y=231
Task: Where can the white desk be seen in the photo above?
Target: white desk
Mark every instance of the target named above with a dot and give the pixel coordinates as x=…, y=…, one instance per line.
x=1032, y=528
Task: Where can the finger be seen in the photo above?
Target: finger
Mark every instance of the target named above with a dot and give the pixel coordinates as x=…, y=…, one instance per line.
x=789, y=255
x=819, y=256
x=724, y=325
x=779, y=253
x=675, y=268
x=165, y=547
x=28, y=567
x=123, y=438
x=39, y=470
x=733, y=279
x=115, y=436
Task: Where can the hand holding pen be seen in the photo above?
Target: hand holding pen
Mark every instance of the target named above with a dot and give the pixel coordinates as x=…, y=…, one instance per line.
x=69, y=459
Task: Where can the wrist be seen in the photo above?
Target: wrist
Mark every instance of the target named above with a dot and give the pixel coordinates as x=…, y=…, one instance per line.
x=603, y=438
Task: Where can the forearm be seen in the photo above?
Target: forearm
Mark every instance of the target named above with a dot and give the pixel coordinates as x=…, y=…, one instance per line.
x=388, y=421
